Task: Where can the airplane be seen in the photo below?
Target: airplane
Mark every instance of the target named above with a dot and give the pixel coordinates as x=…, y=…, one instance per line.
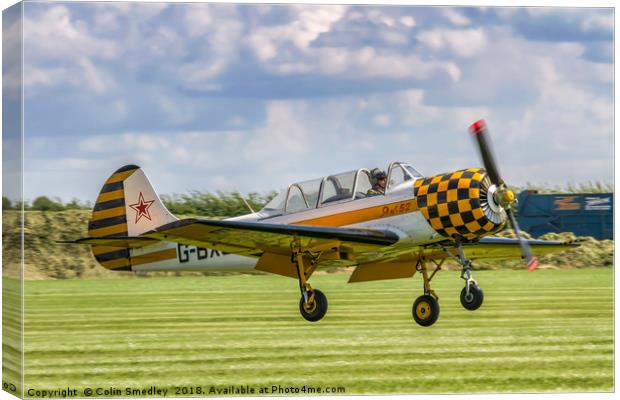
x=415, y=225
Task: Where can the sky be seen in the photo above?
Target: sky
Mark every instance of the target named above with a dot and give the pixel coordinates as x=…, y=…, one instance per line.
x=254, y=97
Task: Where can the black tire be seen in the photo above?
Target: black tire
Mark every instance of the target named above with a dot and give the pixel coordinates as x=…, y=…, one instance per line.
x=425, y=310
x=475, y=299
x=318, y=311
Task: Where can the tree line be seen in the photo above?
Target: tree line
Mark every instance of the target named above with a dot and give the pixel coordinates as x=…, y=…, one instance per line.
x=44, y=203
x=230, y=204
x=218, y=204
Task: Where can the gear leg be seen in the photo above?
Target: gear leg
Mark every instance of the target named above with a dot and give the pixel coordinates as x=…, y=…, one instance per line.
x=426, y=280
x=466, y=270
x=304, y=287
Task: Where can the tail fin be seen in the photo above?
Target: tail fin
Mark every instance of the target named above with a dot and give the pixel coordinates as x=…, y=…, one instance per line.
x=126, y=206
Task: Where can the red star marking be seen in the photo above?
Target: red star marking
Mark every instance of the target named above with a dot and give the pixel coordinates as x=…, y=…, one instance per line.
x=142, y=208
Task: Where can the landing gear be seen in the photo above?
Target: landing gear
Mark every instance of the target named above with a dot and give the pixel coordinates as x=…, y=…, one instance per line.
x=471, y=295
x=313, y=303
x=315, y=309
x=472, y=300
x=425, y=308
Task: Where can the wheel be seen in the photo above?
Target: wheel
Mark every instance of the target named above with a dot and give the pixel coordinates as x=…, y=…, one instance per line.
x=425, y=310
x=315, y=311
x=475, y=298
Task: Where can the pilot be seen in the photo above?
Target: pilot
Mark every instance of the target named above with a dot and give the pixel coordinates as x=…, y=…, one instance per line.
x=379, y=179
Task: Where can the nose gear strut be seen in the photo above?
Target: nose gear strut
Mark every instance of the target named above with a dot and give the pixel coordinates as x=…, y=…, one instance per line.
x=471, y=295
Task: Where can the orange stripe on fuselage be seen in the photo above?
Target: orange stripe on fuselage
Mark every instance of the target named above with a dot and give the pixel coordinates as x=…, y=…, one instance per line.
x=363, y=215
x=114, y=264
x=162, y=255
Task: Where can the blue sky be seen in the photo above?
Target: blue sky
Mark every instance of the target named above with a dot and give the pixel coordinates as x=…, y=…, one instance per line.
x=253, y=97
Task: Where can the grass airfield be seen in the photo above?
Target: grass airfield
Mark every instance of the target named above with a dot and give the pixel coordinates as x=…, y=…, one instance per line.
x=548, y=331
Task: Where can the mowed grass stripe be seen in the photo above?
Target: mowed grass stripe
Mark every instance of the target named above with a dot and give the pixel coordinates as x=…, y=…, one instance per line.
x=274, y=342
x=401, y=334
x=557, y=326
x=258, y=302
x=343, y=357
x=267, y=349
x=368, y=365
x=111, y=359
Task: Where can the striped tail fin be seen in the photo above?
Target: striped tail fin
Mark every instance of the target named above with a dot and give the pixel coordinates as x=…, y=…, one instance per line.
x=126, y=206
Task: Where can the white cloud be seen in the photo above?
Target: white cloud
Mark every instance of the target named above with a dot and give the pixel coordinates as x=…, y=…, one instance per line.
x=64, y=47
x=541, y=11
x=283, y=136
x=106, y=21
x=61, y=50
x=596, y=22
x=309, y=23
x=380, y=18
x=407, y=21
x=504, y=12
x=96, y=79
x=54, y=35
x=366, y=62
x=394, y=38
x=413, y=111
x=287, y=48
x=218, y=32
x=198, y=20
x=462, y=42
x=455, y=17
x=381, y=120
x=83, y=74
x=34, y=76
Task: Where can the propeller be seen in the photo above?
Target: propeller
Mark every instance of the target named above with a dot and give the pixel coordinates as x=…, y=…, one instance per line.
x=503, y=196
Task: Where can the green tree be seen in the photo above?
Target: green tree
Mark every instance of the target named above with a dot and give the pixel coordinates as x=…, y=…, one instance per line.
x=6, y=203
x=219, y=204
x=76, y=204
x=44, y=203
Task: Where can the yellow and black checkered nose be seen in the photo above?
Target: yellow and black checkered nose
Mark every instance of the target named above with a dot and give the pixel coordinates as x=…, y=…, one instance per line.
x=459, y=204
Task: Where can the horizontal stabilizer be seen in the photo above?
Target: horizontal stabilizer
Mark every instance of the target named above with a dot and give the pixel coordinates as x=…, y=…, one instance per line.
x=122, y=242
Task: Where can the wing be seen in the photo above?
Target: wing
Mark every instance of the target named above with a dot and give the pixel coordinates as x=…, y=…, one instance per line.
x=496, y=247
x=254, y=238
x=271, y=243
x=485, y=248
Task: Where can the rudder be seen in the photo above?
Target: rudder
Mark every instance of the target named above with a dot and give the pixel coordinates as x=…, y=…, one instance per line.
x=127, y=205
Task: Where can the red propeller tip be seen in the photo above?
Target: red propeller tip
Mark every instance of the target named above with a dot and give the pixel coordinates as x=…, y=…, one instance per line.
x=477, y=126
x=531, y=266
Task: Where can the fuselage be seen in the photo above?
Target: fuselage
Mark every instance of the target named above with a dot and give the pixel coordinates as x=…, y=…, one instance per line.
x=396, y=210
x=419, y=210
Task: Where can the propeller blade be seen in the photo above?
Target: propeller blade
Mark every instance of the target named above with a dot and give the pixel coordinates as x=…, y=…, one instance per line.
x=479, y=130
x=532, y=261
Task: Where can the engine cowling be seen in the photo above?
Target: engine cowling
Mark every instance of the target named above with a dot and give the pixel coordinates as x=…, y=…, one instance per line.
x=460, y=203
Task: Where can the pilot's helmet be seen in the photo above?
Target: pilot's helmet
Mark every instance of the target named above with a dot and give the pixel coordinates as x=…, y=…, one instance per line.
x=377, y=175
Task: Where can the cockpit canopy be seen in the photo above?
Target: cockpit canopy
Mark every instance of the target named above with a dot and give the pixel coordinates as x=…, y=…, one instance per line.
x=334, y=189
